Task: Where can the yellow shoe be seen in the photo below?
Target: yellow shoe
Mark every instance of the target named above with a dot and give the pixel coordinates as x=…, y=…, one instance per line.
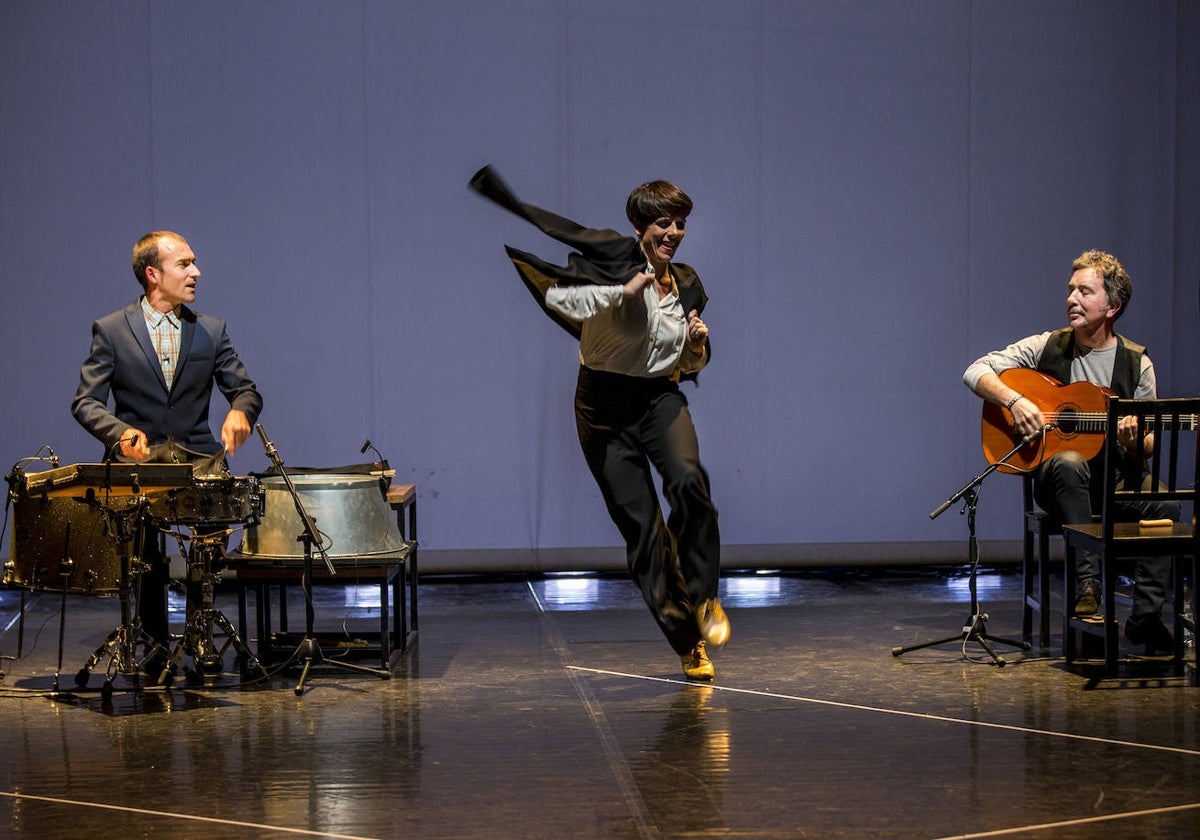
x=714, y=625
x=697, y=665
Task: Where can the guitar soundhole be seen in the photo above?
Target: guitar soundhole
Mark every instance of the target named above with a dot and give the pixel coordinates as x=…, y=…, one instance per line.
x=1067, y=420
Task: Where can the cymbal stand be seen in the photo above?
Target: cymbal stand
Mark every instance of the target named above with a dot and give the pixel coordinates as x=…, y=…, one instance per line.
x=309, y=650
x=975, y=629
x=197, y=639
x=120, y=647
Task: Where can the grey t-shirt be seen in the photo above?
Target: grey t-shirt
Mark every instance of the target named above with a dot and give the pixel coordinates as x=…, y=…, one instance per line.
x=1095, y=366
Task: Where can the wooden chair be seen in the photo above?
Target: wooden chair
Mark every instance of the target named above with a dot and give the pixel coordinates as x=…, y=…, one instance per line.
x=1035, y=566
x=1173, y=465
x=1040, y=526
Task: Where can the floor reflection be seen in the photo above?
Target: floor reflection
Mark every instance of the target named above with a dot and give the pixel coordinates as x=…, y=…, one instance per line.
x=571, y=591
x=681, y=774
x=550, y=707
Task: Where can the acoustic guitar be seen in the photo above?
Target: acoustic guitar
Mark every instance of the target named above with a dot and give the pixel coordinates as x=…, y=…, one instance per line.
x=1079, y=412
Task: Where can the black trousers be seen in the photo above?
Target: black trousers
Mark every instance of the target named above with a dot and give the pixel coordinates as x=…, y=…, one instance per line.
x=152, y=593
x=627, y=425
x=1067, y=488
x=156, y=579
x=152, y=603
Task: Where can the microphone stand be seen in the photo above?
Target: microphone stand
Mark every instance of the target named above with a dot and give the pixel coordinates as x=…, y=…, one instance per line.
x=15, y=479
x=975, y=630
x=65, y=567
x=309, y=649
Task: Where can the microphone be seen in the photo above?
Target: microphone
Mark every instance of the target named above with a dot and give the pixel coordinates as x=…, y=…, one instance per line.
x=1032, y=436
x=14, y=479
x=112, y=453
x=379, y=459
x=112, y=450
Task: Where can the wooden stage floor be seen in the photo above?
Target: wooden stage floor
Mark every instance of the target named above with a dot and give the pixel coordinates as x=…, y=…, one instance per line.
x=550, y=707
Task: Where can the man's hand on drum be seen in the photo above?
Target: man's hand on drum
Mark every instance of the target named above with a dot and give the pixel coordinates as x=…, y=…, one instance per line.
x=234, y=430
x=134, y=445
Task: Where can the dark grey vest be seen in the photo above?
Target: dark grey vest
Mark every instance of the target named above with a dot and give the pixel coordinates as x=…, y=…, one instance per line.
x=1127, y=366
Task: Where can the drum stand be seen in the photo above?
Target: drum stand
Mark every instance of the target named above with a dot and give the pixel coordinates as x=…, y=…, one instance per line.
x=197, y=640
x=121, y=645
x=65, y=567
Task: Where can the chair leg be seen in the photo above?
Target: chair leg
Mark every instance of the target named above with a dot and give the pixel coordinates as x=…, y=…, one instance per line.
x=1179, y=597
x=1044, y=586
x=1027, y=590
x=1070, y=649
x=1186, y=606
x=1195, y=618
x=1112, y=638
x=1035, y=575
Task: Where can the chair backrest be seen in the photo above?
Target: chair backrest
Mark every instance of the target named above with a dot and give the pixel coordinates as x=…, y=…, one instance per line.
x=1169, y=468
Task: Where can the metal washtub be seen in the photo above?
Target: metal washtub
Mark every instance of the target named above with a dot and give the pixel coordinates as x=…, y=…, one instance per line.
x=351, y=513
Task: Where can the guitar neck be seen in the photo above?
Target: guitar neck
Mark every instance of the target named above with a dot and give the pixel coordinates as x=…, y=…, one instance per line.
x=1078, y=412
x=1086, y=422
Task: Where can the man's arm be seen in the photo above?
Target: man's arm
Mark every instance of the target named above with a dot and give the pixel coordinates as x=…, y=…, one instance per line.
x=982, y=377
x=90, y=406
x=235, y=383
x=1027, y=417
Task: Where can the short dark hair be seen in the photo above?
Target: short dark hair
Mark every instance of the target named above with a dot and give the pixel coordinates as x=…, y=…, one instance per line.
x=654, y=200
x=1117, y=284
x=145, y=252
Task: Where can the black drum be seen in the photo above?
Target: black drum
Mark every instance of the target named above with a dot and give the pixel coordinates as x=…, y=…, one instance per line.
x=219, y=501
x=49, y=530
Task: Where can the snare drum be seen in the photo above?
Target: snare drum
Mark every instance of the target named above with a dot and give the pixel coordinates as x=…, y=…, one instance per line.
x=221, y=501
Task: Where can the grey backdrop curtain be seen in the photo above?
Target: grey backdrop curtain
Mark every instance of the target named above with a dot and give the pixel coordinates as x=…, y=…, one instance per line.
x=884, y=191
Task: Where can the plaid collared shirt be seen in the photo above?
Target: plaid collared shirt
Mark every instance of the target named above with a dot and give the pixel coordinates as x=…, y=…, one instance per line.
x=164, y=335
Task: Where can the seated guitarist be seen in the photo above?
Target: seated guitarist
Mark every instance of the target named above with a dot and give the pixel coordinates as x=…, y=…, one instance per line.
x=1066, y=484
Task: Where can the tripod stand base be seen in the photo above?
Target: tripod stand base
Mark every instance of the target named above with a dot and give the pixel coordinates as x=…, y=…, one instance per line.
x=120, y=650
x=309, y=651
x=207, y=659
x=973, y=631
